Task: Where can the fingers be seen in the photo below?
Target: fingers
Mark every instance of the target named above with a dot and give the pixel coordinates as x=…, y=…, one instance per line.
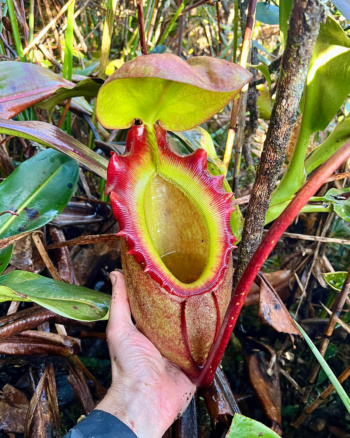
x=119, y=313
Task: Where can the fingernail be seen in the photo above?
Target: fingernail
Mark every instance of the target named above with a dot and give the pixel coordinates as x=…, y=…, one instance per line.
x=114, y=279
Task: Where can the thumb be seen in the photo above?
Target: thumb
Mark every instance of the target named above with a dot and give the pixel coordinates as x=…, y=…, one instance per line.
x=119, y=312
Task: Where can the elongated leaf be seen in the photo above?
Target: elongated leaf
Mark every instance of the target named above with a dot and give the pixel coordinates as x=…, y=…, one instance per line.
x=285, y=9
x=88, y=87
x=267, y=13
x=337, y=386
x=23, y=84
x=37, y=190
x=65, y=299
x=339, y=135
x=179, y=94
x=335, y=279
x=54, y=137
x=244, y=427
x=344, y=7
x=328, y=79
x=5, y=257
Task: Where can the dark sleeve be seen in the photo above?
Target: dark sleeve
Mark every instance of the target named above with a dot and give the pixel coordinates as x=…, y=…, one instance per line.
x=100, y=424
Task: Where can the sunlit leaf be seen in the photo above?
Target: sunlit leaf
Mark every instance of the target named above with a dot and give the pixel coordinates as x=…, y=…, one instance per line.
x=23, y=84
x=328, y=79
x=339, y=135
x=244, y=427
x=54, y=137
x=65, y=299
x=165, y=88
x=335, y=279
x=264, y=102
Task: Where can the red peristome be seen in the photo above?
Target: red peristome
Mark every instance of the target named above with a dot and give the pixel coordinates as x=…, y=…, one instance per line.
x=125, y=172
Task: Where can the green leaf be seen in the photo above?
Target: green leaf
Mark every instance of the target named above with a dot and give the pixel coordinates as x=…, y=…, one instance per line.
x=38, y=190
x=339, y=135
x=286, y=7
x=5, y=257
x=54, y=137
x=344, y=7
x=328, y=79
x=337, y=386
x=75, y=302
x=267, y=13
x=88, y=87
x=199, y=138
x=340, y=200
x=244, y=427
x=265, y=71
x=165, y=88
x=264, y=102
x=335, y=279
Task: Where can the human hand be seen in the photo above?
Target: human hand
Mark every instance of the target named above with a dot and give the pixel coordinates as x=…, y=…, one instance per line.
x=148, y=392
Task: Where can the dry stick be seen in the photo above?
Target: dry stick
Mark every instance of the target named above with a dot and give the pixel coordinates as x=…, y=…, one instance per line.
x=153, y=21
x=238, y=104
x=48, y=263
x=261, y=254
x=315, y=238
x=315, y=404
x=304, y=27
x=337, y=308
x=7, y=241
x=141, y=24
x=84, y=240
x=55, y=31
x=47, y=28
x=64, y=113
x=338, y=176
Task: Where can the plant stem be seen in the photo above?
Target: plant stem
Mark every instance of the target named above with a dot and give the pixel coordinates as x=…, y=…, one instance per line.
x=294, y=67
x=31, y=26
x=15, y=31
x=261, y=254
x=68, y=56
x=141, y=23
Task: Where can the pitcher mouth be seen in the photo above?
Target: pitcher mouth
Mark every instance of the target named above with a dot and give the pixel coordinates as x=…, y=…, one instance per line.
x=173, y=214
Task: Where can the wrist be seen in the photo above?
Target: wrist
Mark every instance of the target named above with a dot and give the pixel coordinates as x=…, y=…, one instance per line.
x=130, y=406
